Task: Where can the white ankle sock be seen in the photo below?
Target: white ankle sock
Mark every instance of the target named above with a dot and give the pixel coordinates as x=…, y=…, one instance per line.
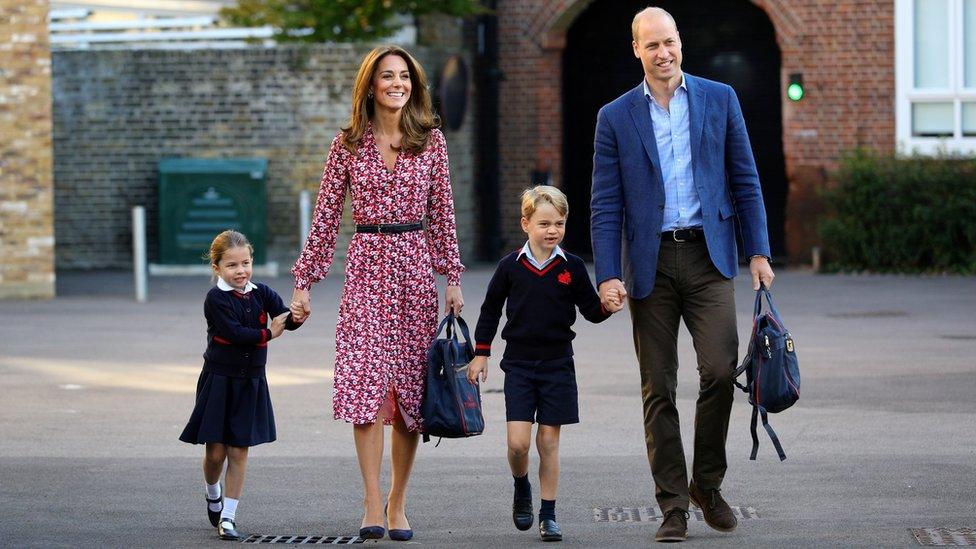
x=230, y=509
x=213, y=492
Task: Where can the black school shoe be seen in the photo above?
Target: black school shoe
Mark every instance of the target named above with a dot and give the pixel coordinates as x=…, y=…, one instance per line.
x=227, y=530
x=214, y=516
x=549, y=530
x=522, y=512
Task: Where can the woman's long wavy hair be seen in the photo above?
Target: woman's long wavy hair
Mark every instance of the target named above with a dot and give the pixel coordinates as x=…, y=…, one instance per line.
x=417, y=118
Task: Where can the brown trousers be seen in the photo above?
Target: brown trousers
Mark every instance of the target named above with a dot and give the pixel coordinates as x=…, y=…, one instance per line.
x=687, y=286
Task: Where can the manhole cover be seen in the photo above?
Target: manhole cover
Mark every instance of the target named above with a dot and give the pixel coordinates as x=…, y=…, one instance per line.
x=944, y=536
x=305, y=540
x=653, y=514
x=959, y=337
x=868, y=314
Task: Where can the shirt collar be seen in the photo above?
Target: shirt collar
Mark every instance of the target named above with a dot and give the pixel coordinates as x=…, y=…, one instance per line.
x=223, y=285
x=647, y=89
x=555, y=251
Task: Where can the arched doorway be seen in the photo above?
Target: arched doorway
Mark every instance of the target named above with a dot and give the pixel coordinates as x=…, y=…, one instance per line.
x=731, y=41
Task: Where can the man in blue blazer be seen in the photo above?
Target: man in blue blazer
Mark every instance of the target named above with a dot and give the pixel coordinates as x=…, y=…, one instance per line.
x=673, y=172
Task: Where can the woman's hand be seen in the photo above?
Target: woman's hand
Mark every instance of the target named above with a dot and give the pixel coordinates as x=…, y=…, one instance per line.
x=301, y=305
x=453, y=301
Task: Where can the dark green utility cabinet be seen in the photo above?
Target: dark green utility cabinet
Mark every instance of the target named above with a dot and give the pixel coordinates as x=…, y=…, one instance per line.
x=199, y=198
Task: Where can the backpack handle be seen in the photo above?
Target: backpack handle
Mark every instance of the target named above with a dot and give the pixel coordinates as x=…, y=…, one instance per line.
x=451, y=332
x=763, y=291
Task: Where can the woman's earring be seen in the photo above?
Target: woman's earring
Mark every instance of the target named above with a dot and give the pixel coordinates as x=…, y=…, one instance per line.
x=369, y=94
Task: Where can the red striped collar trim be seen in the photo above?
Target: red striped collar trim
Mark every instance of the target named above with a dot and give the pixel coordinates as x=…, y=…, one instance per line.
x=541, y=272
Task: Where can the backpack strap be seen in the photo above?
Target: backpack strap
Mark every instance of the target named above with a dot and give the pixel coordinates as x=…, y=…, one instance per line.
x=759, y=411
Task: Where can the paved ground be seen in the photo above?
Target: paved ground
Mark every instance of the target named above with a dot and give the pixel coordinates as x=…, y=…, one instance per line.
x=96, y=388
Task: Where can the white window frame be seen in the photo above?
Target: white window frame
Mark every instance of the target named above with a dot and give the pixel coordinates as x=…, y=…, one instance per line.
x=906, y=94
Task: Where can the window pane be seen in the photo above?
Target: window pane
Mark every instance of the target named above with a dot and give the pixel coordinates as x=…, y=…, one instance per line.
x=931, y=43
x=969, y=42
x=969, y=119
x=932, y=120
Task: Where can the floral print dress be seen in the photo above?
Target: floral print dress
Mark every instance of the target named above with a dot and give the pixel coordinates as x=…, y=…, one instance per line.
x=388, y=311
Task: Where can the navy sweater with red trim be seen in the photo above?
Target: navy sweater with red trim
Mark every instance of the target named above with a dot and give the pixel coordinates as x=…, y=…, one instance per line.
x=540, y=306
x=237, y=330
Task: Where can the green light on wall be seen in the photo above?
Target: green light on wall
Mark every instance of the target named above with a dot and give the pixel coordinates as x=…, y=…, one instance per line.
x=795, y=89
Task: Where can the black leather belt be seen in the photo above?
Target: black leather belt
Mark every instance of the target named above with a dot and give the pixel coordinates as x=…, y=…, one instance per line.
x=390, y=228
x=683, y=235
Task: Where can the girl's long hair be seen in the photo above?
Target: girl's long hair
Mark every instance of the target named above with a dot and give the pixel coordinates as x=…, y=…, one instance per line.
x=417, y=118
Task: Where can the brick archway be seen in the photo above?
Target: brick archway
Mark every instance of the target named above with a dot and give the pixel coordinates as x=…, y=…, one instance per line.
x=533, y=40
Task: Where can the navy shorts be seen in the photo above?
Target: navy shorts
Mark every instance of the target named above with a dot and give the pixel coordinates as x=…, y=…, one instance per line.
x=542, y=391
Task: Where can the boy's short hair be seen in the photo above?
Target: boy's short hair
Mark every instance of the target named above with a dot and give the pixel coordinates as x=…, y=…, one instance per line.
x=534, y=196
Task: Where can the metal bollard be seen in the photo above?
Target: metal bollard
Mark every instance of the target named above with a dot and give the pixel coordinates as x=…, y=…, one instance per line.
x=139, y=266
x=304, y=217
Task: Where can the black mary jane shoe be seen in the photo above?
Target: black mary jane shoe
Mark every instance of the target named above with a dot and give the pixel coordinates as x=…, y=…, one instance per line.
x=214, y=516
x=227, y=530
x=372, y=532
x=549, y=530
x=522, y=513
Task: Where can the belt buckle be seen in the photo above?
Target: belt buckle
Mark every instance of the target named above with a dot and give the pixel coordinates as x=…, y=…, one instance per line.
x=379, y=228
x=674, y=235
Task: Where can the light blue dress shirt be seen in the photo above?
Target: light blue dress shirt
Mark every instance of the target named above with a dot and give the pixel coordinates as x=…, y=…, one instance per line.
x=527, y=252
x=672, y=131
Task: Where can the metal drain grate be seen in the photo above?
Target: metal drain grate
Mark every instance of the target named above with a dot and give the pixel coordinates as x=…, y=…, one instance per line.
x=654, y=514
x=492, y=391
x=944, y=536
x=304, y=540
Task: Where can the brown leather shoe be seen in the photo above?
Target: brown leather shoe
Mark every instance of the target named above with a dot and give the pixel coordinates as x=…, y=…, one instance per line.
x=716, y=511
x=674, y=527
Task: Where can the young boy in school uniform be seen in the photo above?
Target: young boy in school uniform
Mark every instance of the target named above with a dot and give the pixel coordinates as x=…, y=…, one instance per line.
x=541, y=286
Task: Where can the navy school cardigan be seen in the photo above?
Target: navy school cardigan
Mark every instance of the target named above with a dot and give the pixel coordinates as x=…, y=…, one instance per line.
x=237, y=332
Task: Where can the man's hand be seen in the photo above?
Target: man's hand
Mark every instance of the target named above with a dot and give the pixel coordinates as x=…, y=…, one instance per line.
x=761, y=272
x=478, y=367
x=621, y=294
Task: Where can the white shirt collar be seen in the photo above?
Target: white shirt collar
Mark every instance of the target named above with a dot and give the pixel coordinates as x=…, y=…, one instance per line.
x=647, y=89
x=526, y=251
x=223, y=285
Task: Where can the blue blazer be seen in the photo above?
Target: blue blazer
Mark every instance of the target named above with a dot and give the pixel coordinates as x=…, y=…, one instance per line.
x=628, y=189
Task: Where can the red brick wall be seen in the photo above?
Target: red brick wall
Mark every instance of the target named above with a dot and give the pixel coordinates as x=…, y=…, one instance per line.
x=844, y=48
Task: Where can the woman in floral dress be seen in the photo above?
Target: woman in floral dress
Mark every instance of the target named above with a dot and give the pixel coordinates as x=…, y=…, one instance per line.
x=393, y=162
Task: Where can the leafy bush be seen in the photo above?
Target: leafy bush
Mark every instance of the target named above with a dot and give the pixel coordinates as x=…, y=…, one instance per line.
x=891, y=214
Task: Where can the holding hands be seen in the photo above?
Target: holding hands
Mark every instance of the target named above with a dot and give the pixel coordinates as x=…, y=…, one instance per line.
x=612, y=294
x=278, y=325
x=301, y=305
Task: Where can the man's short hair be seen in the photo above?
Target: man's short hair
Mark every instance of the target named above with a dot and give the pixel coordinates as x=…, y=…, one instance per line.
x=649, y=11
x=533, y=197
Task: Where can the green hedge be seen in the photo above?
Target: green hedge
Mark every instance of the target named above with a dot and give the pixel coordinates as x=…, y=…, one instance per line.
x=891, y=214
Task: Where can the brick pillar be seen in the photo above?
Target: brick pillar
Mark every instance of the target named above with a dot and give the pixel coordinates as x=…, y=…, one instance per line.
x=26, y=181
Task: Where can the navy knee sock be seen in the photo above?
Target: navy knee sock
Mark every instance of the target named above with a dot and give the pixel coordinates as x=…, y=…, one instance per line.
x=548, y=510
x=522, y=487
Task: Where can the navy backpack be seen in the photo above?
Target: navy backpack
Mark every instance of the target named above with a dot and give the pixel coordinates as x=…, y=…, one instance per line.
x=452, y=405
x=772, y=372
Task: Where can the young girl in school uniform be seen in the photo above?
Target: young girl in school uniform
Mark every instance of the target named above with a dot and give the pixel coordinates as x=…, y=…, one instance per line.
x=233, y=408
